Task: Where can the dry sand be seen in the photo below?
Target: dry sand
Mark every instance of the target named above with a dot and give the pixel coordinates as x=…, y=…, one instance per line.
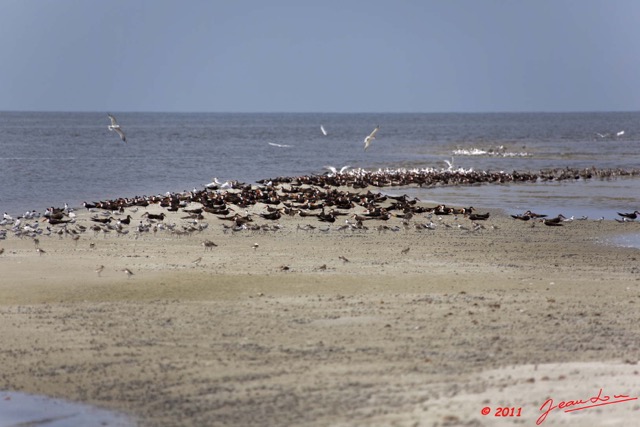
x=499, y=318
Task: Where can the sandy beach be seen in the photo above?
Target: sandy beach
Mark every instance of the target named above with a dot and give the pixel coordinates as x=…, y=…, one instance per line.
x=409, y=328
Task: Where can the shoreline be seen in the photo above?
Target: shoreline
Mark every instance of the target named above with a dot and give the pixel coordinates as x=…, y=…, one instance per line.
x=461, y=320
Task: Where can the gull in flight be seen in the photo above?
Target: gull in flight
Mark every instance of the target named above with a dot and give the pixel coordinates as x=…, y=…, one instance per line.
x=116, y=127
x=620, y=133
x=273, y=144
x=370, y=138
x=324, y=132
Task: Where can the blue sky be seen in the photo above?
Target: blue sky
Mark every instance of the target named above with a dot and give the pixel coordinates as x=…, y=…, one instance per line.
x=321, y=56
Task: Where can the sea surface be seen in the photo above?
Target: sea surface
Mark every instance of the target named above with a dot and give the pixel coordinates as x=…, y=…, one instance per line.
x=53, y=158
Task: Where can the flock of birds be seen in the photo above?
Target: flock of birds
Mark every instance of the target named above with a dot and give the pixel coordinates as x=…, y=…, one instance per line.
x=229, y=204
x=115, y=127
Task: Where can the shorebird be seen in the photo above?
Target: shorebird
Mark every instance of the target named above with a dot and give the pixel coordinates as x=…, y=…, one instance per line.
x=40, y=251
x=255, y=246
x=324, y=132
x=405, y=251
x=632, y=215
x=1, y=251
x=128, y=272
x=99, y=269
x=208, y=245
x=370, y=138
x=196, y=261
x=114, y=126
x=343, y=258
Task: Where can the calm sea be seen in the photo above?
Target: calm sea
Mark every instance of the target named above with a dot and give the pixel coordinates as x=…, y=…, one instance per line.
x=47, y=159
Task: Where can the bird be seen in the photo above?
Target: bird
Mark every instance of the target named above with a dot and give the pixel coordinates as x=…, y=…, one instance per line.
x=324, y=132
x=632, y=215
x=369, y=139
x=208, y=245
x=343, y=258
x=99, y=269
x=196, y=261
x=405, y=250
x=128, y=272
x=335, y=171
x=40, y=251
x=114, y=126
x=1, y=251
x=255, y=246
x=620, y=133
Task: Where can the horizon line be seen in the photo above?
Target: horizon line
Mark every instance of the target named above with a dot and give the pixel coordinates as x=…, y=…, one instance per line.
x=322, y=112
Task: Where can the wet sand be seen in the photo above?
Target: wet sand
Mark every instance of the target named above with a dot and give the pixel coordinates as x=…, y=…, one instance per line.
x=504, y=317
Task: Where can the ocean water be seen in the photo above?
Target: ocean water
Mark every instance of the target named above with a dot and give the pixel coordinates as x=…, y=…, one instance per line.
x=48, y=158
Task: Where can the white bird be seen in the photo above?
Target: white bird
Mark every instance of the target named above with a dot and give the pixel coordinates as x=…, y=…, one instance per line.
x=370, y=138
x=449, y=164
x=324, y=132
x=114, y=126
x=7, y=217
x=620, y=133
x=273, y=144
x=334, y=171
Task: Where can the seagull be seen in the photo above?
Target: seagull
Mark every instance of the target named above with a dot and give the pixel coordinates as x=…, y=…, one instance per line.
x=324, y=132
x=370, y=138
x=620, y=133
x=116, y=127
x=273, y=144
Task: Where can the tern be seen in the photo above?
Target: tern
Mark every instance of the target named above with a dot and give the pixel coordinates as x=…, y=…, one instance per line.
x=114, y=126
x=620, y=133
x=371, y=137
x=324, y=132
x=334, y=171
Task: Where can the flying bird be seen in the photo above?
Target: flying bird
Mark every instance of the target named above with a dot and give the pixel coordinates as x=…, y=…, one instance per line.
x=324, y=132
x=620, y=133
x=114, y=126
x=370, y=138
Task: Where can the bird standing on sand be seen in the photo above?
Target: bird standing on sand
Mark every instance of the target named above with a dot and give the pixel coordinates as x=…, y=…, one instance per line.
x=99, y=269
x=369, y=139
x=40, y=251
x=114, y=126
x=632, y=215
x=128, y=272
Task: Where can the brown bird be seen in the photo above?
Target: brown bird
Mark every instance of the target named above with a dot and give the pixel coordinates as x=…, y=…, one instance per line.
x=405, y=251
x=208, y=245
x=343, y=258
x=99, y=269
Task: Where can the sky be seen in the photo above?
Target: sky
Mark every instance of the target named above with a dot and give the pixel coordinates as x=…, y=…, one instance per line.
x=320, y=56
